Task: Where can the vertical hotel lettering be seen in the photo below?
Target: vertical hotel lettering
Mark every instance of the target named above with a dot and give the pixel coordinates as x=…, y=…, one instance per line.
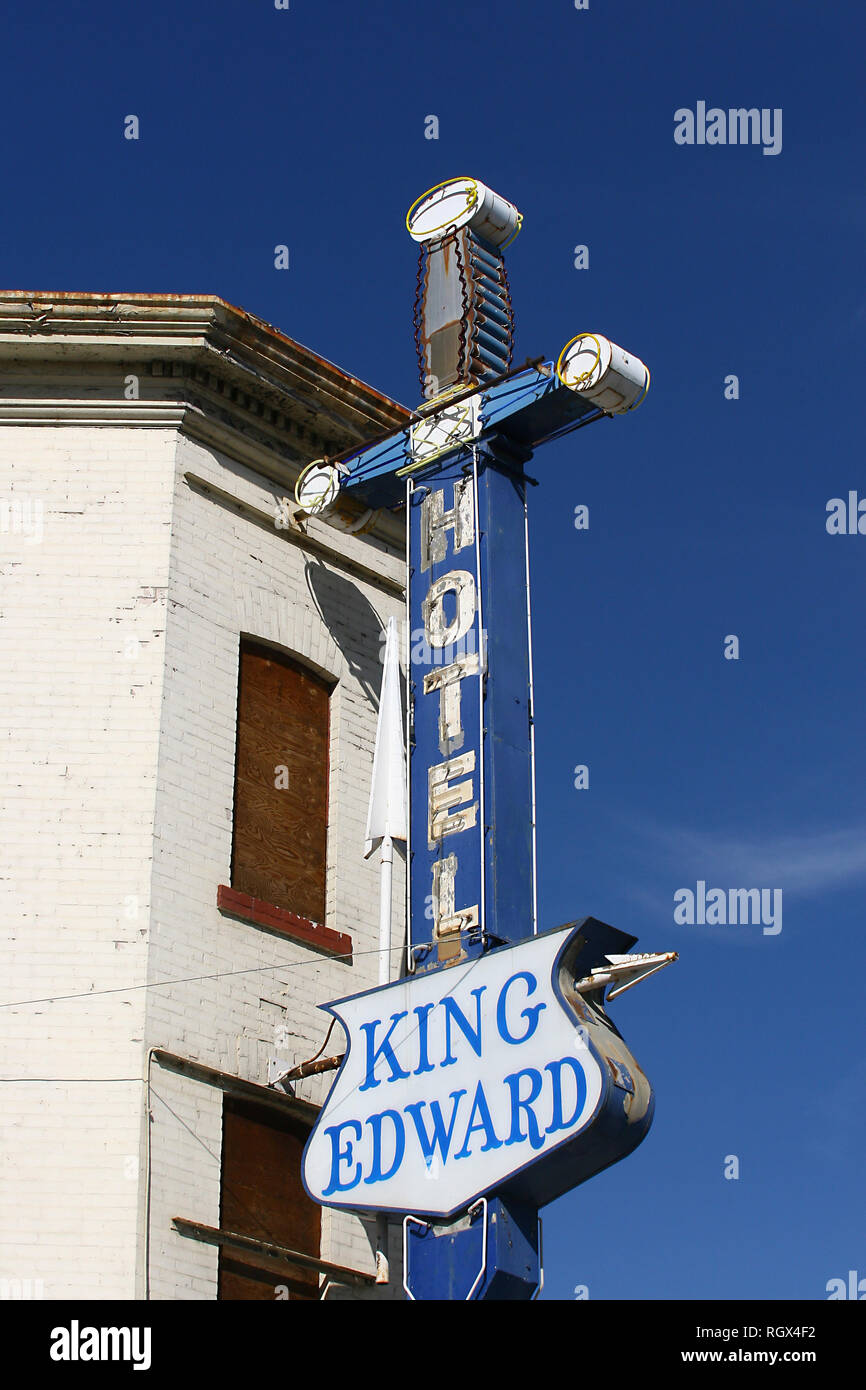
x=448, y=715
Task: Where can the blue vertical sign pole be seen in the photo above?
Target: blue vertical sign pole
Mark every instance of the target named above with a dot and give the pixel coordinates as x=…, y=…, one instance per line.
x=472, y=857
x=509, y=746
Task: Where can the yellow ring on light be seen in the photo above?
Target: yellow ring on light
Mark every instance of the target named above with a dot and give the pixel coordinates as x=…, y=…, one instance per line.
x=584, y=375
x=308, y=468
x=471, y=199
x=434, y=403
x=465, y=413
x=642, y=397
x=515, y=234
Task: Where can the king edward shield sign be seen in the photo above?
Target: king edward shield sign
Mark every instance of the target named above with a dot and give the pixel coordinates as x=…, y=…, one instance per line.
x=487, y=1076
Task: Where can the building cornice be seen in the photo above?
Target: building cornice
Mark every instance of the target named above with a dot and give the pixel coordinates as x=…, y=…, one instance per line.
x=181, y=327
x=223, y=376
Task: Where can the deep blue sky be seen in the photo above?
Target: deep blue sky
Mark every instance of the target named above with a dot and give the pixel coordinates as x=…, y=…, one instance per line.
x=707, y=516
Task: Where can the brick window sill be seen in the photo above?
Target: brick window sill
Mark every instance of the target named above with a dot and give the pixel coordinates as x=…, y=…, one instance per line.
x=279, y=919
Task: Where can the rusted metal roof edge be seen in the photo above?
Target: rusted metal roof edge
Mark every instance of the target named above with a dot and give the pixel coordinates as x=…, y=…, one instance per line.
x=247, y=329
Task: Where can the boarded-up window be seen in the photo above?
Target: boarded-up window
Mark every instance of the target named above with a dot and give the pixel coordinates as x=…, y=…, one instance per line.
x=281, y=783
x=262, y=1196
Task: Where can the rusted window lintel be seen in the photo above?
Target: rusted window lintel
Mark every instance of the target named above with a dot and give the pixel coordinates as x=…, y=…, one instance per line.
x=235, y=1085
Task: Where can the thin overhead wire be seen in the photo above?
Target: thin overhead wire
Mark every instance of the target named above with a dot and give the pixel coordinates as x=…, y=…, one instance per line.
x=193, y=979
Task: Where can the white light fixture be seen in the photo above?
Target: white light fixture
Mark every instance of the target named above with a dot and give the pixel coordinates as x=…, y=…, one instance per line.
x=317, y=493
x=460, y=203
x=610, y=377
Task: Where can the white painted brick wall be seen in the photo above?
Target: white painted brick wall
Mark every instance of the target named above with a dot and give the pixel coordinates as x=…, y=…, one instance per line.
x=121, y=629
x=184, y=1177
x=230, y=576
x=83, y=630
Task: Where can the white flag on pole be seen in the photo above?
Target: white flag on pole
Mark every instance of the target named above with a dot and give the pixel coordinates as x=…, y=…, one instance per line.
x=387, y=811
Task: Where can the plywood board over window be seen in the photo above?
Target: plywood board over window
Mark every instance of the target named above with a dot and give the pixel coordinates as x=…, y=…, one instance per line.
x=281, y=782
x=262, y=1196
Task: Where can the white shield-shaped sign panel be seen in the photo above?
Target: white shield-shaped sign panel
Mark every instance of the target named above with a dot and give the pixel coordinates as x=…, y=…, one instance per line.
x=456, y=1081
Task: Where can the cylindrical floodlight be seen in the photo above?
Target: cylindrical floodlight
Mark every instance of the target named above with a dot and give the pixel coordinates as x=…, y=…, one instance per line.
x=317, y=493
x=607, y=375
x=463, y=202
x=317, y=488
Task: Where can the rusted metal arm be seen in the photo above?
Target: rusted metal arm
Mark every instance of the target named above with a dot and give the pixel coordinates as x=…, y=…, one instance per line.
x=313, y=1068
x=212, y=1235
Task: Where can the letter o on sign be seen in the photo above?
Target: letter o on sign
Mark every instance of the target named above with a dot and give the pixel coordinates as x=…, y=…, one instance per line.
x=438, y=631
